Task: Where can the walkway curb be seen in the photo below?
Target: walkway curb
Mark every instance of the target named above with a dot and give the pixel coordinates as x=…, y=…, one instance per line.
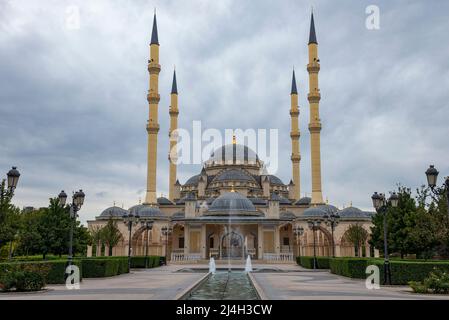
x=258, y=288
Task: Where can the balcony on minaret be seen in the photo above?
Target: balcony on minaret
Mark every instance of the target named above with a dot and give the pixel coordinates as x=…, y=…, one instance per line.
x=153, y=67
x=152, y=127
x=294, y=112
x=314, y=96
x=315, y=126
x=295, y=134
x=295, y=157
x=313, y=67
x=173, y=112
x=153, y=98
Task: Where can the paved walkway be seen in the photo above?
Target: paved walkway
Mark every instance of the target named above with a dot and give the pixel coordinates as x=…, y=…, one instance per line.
x=305, y=284
x=151, y=284
x=165, y=283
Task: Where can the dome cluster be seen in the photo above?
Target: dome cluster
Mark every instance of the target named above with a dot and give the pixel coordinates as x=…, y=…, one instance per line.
x=347, y=213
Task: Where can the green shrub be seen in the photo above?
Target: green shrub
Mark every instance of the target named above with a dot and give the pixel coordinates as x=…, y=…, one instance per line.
x=418, y=287
x=437, y=282
x=52, y=271
x=150, y=261
x=349, y=267
x=404, y=271
x=138, y=262
x=104, y=267
x=22, y=281
x=29, y=281
x=307, y=262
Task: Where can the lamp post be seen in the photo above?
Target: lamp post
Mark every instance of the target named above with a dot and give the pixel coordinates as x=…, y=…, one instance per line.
x=298, y=231
x=432, y=176
x=332, y=221
x=12, y=180
x=130, y=220
x=166, y=231
x=381, y=203
x=314, y=225
x=148, y=226
x=75, y=206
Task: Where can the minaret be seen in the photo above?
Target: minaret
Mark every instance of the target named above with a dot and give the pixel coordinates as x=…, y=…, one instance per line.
x=153, y=126
x=173, y=155
x=314, y=98
x=295, y=134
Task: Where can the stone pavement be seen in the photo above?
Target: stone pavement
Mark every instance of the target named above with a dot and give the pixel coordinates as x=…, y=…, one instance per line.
x=305, y=284
x=151, y=284
x=164, y=283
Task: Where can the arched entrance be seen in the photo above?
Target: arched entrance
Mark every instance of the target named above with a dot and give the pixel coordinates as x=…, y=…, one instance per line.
x=232, y=246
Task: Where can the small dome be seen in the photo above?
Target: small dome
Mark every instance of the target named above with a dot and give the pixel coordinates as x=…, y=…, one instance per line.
x=352, y=212
x=232, y=201
x=275, y=180
x=304, y=201
x=284, y=201
x=234, y=175
x=233, y=154
x=328, y=208
x=193, y=181
x=164, y=201
x=144, y=210
x=113, y=212
x=314, y=212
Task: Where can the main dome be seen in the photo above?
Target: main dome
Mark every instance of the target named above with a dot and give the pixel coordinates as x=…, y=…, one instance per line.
x=233, y=154
x=231, y=202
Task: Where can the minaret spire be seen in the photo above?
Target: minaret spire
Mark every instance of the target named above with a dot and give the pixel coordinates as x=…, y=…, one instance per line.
x=314, y=98
x=154, y=36
x=294, y=89
x=153, y=99
x=173, y=153
x=295, y=134
x=174, y=86
x=312, y=35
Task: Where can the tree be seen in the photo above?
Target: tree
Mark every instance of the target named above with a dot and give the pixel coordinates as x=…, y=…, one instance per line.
x=30, y=237
x=401, y=221
x=54, y=229
x=110, y=234
x=96, y=238
x=357, y=235
x=9, y=218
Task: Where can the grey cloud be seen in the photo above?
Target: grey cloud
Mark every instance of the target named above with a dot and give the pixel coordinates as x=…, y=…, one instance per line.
x=73, y=107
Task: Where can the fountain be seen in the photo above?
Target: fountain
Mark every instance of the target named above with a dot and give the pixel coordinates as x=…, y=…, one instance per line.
x=248, y=266
x=212, y=267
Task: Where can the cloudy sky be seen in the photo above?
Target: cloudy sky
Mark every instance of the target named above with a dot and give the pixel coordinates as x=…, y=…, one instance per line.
x=73, y=100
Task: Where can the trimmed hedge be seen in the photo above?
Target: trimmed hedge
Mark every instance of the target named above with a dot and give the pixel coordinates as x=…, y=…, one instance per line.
x=52, y=271
x=307, y=262
x=139, y=262
x=349, y=267
x=104, y=267
x=402, y=272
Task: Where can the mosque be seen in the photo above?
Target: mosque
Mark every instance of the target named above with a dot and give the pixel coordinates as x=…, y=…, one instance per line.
x=233, y=208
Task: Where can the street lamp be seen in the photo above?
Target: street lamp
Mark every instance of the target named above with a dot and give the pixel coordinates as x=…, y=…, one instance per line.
x=432, y=176
x=332, y=221
x=147, y=226
x=314, y=225
x=13, y=177
x=130, y=220
x=298, y=231
x=75, y=206
x=381, y=204
x=166, y=231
